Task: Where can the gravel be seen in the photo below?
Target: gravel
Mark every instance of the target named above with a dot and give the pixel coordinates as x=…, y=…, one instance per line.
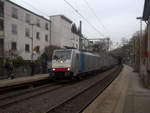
x=49, y=100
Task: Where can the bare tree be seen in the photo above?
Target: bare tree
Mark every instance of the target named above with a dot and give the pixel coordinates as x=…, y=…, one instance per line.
x=124, y=41
x=102, y=46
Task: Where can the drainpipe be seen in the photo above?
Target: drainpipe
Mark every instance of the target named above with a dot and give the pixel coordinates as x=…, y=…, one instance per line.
x=50, y=41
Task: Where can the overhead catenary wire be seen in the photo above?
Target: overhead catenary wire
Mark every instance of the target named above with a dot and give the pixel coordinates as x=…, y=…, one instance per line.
x=98, y=19
x=84, y=18
x=25, y=2
x=73, y=9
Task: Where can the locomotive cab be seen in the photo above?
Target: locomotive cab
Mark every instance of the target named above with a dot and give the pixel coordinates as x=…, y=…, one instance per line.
x=61, y=64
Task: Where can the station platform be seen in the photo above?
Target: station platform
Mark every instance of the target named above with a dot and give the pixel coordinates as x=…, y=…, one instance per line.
x=22, y=80
x=126, y=94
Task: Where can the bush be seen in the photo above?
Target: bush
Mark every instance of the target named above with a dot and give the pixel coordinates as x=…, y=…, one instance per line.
x=1, y=63
x=19, y=61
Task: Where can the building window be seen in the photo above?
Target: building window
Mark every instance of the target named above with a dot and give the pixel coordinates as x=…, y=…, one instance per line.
x=1, y=9
x=38, y=35
x=27, y=48
x=13, y=46
x=76, y=45
x=14, y=12
x=37, y=49
x=46, y=26
x=1, y=25
x=14, y=29
x=28, y=18
x=27, y=32
x=38, y=23
x=46, y=38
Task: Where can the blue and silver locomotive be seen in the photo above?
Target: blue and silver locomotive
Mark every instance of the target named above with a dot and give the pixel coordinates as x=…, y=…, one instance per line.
x=72, y=63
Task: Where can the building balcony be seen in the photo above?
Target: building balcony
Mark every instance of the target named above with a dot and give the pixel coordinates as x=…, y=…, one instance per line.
x=1, y=33
x=1, y=28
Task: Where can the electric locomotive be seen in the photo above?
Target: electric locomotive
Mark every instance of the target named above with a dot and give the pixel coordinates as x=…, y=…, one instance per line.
x=72, y=63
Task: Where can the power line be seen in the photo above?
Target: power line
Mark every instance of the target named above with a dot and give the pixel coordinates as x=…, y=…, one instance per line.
x=92, y=10
x=84, y=18
x=34, y=8
x=98, y=19
x=73, y=9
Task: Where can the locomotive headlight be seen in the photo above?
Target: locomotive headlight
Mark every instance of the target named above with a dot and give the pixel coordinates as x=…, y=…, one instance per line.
x=68, y=69
x=61, y=61
x=53, y=69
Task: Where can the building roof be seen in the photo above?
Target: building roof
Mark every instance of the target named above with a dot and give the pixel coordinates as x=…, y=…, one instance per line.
x=63, y=17
x=146, y=12
x=28, y=10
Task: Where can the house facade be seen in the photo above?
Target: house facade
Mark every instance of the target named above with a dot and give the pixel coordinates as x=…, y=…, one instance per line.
x=21, y=31
x=26, y=34
x=61, y=34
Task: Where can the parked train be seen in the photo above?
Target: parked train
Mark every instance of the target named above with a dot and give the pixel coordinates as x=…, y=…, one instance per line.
x=72, y=63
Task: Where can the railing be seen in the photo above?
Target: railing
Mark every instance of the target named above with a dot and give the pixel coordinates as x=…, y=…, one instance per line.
x=1, y=33
x=21, y=71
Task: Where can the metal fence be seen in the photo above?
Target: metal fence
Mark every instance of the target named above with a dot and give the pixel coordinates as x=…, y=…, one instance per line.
x=21, y=71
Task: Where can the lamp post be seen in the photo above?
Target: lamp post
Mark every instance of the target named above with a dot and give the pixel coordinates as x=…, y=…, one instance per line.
x=32, y=41
x=140, y=18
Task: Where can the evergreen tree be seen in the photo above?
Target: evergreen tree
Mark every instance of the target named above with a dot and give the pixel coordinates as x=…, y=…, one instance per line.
x=74, y=28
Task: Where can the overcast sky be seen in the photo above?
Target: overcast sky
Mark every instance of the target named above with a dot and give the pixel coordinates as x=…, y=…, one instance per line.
x=116, y=18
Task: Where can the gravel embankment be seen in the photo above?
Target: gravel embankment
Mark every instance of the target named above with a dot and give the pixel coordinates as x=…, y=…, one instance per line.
x=49, y=100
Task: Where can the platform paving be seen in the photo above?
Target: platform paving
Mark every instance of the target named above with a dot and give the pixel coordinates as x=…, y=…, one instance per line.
x=126, y=94
x=22, y=80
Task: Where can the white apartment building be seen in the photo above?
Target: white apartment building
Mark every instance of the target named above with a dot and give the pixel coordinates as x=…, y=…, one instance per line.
x=17, y=28
x=61, y=34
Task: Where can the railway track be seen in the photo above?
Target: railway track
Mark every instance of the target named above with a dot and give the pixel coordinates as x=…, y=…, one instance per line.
x=21, y=86
x=54, y=98
x=16, y=97
x=79, y=102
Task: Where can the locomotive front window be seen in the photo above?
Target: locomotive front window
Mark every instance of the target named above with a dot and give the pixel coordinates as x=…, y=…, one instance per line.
x=64, y=55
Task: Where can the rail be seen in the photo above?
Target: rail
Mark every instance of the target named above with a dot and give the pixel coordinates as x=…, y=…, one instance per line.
x=79, y=102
